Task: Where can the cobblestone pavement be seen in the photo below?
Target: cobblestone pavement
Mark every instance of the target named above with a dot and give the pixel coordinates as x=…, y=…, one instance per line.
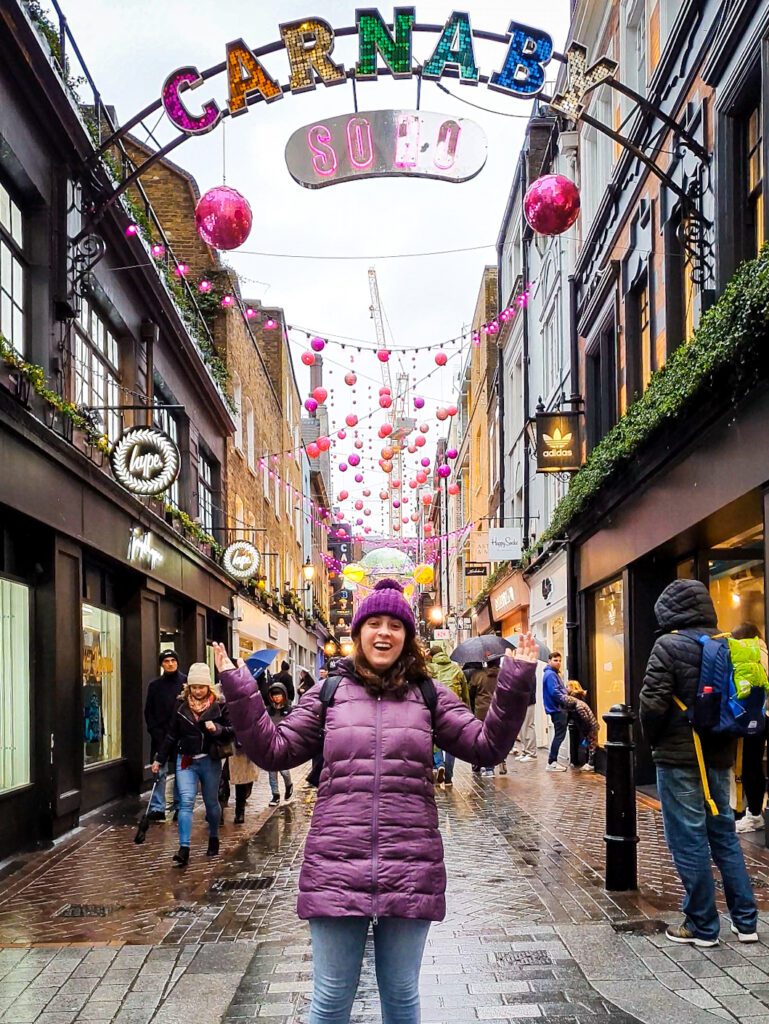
x=530, y=933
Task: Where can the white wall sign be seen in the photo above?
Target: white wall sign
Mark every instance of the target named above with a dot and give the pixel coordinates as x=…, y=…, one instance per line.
x=504, y=544
x=479, y=546
x=241, y=560
x=441, y=634
x=141, y=549
x=145, y=461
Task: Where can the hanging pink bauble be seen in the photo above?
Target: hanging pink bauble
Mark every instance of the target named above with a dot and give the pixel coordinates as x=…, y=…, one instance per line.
x=317, y=344
x=324, y=443
x=383, y=355
x=411, y=449
x=420, y=441
x=425, y=461
x=419, y=403
x=396, y=503
x=442, y=414
x=367, y=493
x=320, y=395
x=396, y=527
x=451, y=453
x=343, y=496
x=454, y=488
x=451, y=410
x=353, y=459
x=427, y=499
x=359, y=444
x=414, y=517
x=310, y=404
x=387, y=466
x=405, y=519
x=421, y=477
x=367, y=529
x=359, y=522
x=350, y=378
x=428, y=527
x=384, y=390
x=358, y=478
x=424, y=427
x=358, y=504
x=444, y=471
x=223, y=218
x=312, y=450
x=341, y=533
x=385, y=402
x=308, y=358
x=351, y=419
x=387, y=453
x=551, y=204
x=366, y=511
x=395, y=484
x=383, y=495
x=340, y=517
x=341, y=434
x=413, y=484
x=342, y=467
x=441, y=358
x=385, y=430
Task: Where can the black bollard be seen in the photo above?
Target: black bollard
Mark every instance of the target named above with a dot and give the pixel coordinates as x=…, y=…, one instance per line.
x=621, y=836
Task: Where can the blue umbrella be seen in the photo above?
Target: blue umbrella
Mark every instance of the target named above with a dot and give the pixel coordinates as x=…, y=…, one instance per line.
x=259, y=661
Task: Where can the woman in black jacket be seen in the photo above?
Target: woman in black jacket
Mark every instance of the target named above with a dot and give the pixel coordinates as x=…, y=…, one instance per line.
x=198, y=729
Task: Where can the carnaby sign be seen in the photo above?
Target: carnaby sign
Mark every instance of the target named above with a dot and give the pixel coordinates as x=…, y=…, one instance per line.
x=145, y=460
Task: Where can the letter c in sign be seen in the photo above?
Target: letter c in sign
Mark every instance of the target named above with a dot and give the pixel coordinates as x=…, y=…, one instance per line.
x=360, y=148
x=446, y=148
x=323, y=154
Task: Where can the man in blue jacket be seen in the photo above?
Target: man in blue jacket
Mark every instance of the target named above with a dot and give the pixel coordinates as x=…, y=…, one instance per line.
x=553, y=691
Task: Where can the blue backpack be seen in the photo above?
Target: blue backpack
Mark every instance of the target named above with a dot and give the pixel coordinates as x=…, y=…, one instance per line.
x=718, y=709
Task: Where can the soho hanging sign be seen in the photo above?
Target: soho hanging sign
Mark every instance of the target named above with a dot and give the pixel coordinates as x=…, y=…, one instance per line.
x=374, y=143
x=145, y=461
x=241, y=560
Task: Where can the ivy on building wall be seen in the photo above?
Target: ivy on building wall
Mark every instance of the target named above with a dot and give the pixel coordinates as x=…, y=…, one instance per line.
x=726, y=358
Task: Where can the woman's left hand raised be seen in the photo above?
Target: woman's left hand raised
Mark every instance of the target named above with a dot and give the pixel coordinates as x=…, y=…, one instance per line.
x=527, y=649
x=222, y=659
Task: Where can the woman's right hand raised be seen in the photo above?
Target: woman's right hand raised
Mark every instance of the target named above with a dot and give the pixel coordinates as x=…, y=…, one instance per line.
x=222, y=659
x=527, y=649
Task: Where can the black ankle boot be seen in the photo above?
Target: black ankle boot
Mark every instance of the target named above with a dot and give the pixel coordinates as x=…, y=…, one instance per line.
x=213, y=847
x=181, y=859
x=240, y=816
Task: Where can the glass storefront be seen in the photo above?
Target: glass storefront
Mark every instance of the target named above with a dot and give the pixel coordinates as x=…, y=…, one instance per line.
x=736, y=581
x=14, y=686
x=608, y=650
x=101, y=685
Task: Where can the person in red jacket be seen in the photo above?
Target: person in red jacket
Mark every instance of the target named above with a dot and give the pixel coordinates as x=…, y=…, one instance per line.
x=373, y=854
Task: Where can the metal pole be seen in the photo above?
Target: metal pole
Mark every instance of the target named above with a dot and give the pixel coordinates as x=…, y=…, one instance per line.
x=621, y=836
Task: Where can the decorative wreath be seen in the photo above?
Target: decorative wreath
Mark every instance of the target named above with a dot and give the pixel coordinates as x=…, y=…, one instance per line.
x=159, y=442
x=228, y=560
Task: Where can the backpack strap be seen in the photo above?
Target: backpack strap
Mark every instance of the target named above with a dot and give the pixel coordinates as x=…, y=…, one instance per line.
x=430, y=697
x=327, y=691
x=709, y=801
x=738, y=776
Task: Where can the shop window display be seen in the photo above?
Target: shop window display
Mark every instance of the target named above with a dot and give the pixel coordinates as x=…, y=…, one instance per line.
x=737, y=586
x=14, y=686
x=101, y=685
x=608, y=650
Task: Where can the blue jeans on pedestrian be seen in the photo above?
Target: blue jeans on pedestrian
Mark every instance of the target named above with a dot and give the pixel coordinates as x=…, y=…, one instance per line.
x=693, y=836
x=445, y=759
x=158, y=798
x=560, y=720
x=338, y=944
x=207, y=771
x=286, y=776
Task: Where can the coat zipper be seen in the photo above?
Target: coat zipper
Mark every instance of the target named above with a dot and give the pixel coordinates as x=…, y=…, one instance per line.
x=375, y=822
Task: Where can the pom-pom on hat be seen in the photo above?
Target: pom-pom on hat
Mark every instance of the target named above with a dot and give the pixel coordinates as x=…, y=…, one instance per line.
x=385, y=599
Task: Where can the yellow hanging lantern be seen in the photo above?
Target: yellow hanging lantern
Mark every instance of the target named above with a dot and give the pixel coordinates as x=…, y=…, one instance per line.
x=424, y=574
x=354, y=573
x=408, y=591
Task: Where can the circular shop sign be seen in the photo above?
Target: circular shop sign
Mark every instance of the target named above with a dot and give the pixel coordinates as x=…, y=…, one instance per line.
x=241, y=560
x=145, y=460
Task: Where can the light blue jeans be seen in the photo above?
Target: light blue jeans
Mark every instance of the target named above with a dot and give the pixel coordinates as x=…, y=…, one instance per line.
x=286, y=776
x=443, y=757
x=208, y=771
x=158, y=801
x=694, y=835
x=337, y=955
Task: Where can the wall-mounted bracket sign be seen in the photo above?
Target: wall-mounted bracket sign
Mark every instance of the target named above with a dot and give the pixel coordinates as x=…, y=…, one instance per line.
x=309, y=44
x=386, y=143
x=142, y=550
x=145, y=461
x=559, y=442
x=241, y=560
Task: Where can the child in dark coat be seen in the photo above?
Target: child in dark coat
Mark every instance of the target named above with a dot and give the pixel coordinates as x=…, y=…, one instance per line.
x=278, y=706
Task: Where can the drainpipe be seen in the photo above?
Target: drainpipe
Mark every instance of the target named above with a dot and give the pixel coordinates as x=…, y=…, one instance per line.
x=575, y=399
x=501, y=410
x=525, y=237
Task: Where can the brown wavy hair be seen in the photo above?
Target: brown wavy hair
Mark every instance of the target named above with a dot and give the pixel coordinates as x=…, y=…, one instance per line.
x=410, y=668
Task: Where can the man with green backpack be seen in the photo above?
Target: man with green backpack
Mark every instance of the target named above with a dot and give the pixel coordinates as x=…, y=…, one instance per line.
x=694, y=717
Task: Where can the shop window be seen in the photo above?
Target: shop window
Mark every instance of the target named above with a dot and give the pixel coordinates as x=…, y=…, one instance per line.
x=608, y=650
x=639, y=356
x=740, y=140
x=14, y=686
x=237, y=399
x=12, y=271
x=165, y=420
x=206, y=494
x=250, y=446
x=101, y=685
x=601, y=384
x=96, y=368
x=551, y=361
x=633, y=63
x=240, y=519
x=736, y=581
x=755, y=180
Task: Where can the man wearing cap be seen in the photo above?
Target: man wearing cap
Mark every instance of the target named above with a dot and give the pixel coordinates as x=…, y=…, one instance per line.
x=161, y=701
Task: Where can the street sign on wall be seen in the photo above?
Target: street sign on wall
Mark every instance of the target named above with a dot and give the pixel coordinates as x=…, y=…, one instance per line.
x=505, y=544
x=476, y=570
x=441, y=634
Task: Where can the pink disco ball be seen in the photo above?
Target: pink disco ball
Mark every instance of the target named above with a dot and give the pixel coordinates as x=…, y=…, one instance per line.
x=353, y=459
x=551, y=204
x=358, y=478
x=452, y=453
x=444, y=471
x=223, y=218
x=419, y=403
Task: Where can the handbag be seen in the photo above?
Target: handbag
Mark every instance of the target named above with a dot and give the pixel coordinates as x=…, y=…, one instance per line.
x=219, y=750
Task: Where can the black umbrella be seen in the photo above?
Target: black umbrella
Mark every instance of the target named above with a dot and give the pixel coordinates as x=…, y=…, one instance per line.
x=144, y=824
x=481, y=648
x=543, y=651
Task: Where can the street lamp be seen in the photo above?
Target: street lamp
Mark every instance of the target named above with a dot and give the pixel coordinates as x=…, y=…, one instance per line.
x=308, y=571
x=436, y=615
x=329, y=648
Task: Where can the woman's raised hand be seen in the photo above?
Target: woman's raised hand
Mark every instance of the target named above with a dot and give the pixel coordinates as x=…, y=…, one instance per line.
x=222, y=659
x=527, y=649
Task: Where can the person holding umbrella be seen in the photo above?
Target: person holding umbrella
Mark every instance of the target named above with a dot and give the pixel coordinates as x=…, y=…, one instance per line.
x=374, y=855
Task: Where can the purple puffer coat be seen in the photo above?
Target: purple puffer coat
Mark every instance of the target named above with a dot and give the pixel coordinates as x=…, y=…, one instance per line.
x=374, y=848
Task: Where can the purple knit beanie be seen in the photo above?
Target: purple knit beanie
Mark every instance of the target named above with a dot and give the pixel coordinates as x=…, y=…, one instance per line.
x=385, y=599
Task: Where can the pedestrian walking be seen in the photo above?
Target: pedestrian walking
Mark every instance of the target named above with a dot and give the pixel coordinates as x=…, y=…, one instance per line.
x=305, y=682
x=200, y=730
x=374, y=855
x=448, y=673
x=158, y=709
x=580, y=712
x=469, y=670
x=553, y=694
x=693, y=834
x=754, y=748
x=277, y=708
x=285, y=677
x=243, y=774
x=526, y=741
x=484, y=681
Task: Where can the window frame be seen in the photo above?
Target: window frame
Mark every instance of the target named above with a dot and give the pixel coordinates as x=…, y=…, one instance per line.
x=206, y=487
x=98, y=385
x=601, y=391
x=15, y=247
